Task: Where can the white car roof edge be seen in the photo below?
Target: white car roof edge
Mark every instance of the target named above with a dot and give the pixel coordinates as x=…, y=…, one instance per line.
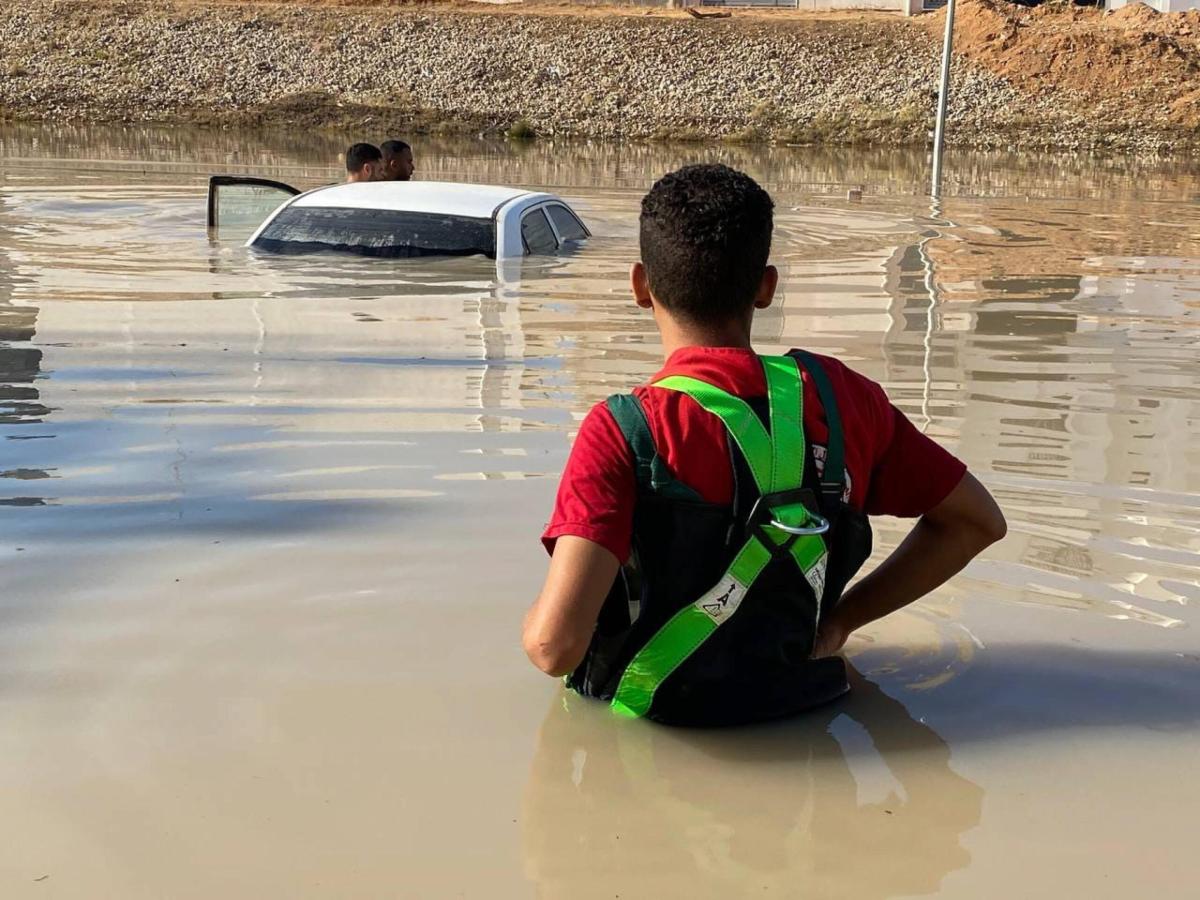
x=451, y=197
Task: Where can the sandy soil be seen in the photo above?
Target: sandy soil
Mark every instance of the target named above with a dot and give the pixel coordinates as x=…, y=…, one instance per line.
x=1129, y=58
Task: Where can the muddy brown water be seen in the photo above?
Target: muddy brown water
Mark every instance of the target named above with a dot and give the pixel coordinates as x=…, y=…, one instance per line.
x=268, y=528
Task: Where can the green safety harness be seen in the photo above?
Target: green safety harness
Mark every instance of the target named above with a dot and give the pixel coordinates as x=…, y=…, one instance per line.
x=784, y=522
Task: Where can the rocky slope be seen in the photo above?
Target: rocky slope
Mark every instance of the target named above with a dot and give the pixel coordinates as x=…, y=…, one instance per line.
x=566, y=70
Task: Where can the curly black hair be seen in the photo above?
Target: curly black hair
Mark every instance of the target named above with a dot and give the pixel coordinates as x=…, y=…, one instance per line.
x=705, y=236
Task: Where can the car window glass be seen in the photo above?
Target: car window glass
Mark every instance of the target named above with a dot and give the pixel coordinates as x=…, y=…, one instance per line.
x=377, y=232
x=568, y=225
x=535, y=231
x=244, y=205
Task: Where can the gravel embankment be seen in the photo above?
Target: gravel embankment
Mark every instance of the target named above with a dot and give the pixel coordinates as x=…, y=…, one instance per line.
x=869, y=79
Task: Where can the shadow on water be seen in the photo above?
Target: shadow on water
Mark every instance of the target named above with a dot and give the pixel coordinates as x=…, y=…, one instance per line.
x=1013, y=691
x=718, y=813
x=723, y=813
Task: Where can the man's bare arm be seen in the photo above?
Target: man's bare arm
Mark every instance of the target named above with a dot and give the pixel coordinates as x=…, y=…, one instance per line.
x=942, y=542
x=559, y=625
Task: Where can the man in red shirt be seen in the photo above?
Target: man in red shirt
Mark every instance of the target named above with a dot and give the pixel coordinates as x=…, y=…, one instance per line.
x=705, y=236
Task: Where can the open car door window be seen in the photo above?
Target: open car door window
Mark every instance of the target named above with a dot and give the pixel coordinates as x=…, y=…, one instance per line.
x=240, y=202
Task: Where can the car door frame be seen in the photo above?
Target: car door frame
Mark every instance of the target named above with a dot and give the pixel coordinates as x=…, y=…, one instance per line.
x=219, y=181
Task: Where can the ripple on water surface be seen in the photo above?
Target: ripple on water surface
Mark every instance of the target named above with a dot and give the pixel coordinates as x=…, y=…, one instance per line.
x=1027, y=336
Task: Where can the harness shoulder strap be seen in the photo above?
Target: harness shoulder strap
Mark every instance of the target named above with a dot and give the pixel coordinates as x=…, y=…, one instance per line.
x=739, y=419
x=652, y=473
x=833, y=478
x=776, y=462
x=631, y=419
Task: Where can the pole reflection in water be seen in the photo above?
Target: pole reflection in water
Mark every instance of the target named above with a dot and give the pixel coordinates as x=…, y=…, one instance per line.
x=20, y=368
x=620, y=808
x=20, y=363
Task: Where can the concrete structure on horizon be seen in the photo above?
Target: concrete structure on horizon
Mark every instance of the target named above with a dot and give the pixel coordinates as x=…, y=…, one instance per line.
x=908, y=7
x=1162, y=6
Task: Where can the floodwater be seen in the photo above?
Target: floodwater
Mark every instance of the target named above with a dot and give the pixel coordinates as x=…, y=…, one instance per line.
x=268, y=528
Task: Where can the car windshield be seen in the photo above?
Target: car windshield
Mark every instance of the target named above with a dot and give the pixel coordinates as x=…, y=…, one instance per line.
x=376, y=232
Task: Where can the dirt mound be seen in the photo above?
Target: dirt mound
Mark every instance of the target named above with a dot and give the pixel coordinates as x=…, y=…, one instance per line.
x=1134, y=15
x=1140, y=17
x=1142, y=62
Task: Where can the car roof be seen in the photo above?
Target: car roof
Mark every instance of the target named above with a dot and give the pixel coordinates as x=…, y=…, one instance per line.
x=478, y=201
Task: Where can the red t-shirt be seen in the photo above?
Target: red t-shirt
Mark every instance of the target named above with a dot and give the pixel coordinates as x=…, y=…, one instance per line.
x=892, y=469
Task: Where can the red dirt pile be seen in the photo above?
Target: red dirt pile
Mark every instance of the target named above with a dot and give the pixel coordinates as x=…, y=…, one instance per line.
x=1135, y=61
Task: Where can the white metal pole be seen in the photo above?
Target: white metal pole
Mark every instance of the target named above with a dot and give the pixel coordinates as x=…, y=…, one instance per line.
x=943, y=97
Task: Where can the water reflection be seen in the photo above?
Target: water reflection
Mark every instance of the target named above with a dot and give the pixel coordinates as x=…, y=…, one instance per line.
x=1021, y=339
x=263, y=469
x=858, y=800
x=30, y=154
x=989, y=324
x=20, y=368
x=20, y=363
x=1008, y=344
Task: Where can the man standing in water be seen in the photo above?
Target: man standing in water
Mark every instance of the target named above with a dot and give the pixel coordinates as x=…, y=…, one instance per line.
x=397, y=161
x=731, y=494
x=364, y=162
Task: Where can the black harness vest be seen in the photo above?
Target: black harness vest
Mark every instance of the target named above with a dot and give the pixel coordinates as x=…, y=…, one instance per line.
x=758, y=665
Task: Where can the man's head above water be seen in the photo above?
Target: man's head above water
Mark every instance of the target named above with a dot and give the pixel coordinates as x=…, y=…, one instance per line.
x=397, y=161
x=364, y=162
x=705, y=234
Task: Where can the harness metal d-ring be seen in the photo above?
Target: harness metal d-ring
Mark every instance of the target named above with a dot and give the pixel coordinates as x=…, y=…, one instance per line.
x=821, y=527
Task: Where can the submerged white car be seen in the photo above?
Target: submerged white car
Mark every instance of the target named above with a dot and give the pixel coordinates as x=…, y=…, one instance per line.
x=397, y=219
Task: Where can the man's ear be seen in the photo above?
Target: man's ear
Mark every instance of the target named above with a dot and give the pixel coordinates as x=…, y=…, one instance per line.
x=640, y=285
x=766, y=288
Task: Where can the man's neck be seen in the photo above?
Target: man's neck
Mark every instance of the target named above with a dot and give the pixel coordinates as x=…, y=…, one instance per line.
x=677, y=335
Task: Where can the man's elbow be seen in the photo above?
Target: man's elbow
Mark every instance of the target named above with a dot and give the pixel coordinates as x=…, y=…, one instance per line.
x=554, y=657
x=970, y=514
x=997, y=528
x=989, y=527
